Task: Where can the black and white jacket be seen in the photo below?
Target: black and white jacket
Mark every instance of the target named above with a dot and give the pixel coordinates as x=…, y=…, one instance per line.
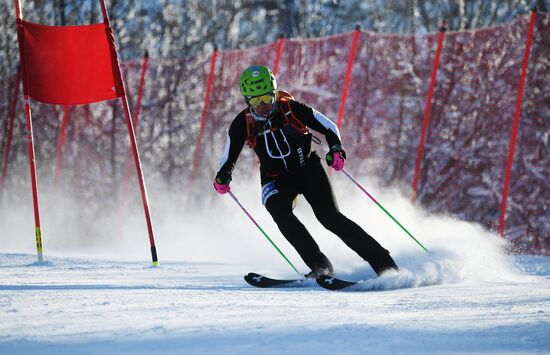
x=280, y=147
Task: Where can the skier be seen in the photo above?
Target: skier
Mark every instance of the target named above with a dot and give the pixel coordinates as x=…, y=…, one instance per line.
x=276, y=127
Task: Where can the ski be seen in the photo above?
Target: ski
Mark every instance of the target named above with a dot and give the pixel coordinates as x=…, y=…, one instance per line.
x=325, y=281
x=262, y=281
x=333, y=283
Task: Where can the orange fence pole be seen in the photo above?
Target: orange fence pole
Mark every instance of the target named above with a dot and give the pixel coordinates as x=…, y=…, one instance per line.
x=209, y=85
x=128, y=165
x=427, y=111
x=278, y=51
x=515, y=125
x=351, y=60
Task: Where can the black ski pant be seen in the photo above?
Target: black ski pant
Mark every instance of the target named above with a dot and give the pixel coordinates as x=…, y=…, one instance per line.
x=312, y=182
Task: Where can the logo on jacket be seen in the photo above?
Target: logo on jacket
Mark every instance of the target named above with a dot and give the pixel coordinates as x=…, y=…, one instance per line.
x=268, y=190
x=301, y=156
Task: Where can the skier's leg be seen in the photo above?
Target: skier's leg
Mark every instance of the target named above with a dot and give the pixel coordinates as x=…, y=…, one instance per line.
x=318, y=192
x=279, y=205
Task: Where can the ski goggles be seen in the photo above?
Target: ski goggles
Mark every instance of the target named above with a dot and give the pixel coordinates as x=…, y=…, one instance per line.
x=266, y=99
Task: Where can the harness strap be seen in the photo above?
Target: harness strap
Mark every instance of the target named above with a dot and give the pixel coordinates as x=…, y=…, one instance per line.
x=284, y=99
x=250, y=134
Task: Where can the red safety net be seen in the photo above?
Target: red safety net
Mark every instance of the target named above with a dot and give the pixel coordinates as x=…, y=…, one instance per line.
x=69, y=65
x=466, y=149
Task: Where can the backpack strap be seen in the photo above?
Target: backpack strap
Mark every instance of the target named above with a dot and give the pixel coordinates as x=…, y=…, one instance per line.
x=250, y=136
x=284, y=98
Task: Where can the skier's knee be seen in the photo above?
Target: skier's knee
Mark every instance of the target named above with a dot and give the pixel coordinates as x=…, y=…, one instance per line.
x=332, y=220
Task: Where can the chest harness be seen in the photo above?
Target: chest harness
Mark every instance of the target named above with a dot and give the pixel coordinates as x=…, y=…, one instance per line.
x=283, y=100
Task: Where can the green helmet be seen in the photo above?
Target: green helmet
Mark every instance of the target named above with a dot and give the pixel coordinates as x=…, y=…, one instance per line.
x=257, y=80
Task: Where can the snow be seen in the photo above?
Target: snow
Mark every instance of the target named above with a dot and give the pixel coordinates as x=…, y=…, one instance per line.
x=468, y=295
x=69, y=305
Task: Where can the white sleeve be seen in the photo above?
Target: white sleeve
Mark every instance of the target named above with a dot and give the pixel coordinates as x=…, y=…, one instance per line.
x=326, y=122
x=225, y=155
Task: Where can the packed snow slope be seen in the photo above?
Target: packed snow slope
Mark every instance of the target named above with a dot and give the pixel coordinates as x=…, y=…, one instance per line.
x=101, y=295
x=68, y=306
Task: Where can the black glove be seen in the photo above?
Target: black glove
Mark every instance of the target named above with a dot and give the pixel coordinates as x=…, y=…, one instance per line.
x=223, y=178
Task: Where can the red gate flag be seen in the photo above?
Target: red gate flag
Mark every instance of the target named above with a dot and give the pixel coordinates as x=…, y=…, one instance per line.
x=69, y=65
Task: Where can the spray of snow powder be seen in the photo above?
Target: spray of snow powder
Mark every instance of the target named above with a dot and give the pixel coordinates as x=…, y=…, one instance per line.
x=215, y=230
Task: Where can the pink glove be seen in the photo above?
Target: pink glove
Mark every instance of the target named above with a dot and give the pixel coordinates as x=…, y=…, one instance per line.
x=338, y=161
x=221, y=188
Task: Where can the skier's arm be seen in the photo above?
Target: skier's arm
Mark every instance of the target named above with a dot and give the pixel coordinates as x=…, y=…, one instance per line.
x=233, y=147
x=314, y=119
x=317, y=121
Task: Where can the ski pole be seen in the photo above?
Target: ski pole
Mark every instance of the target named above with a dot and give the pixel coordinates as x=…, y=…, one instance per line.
x=264, y=233
x=382, y=207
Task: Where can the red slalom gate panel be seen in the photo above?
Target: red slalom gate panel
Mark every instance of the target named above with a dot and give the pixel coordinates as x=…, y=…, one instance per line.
x=69, y=65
